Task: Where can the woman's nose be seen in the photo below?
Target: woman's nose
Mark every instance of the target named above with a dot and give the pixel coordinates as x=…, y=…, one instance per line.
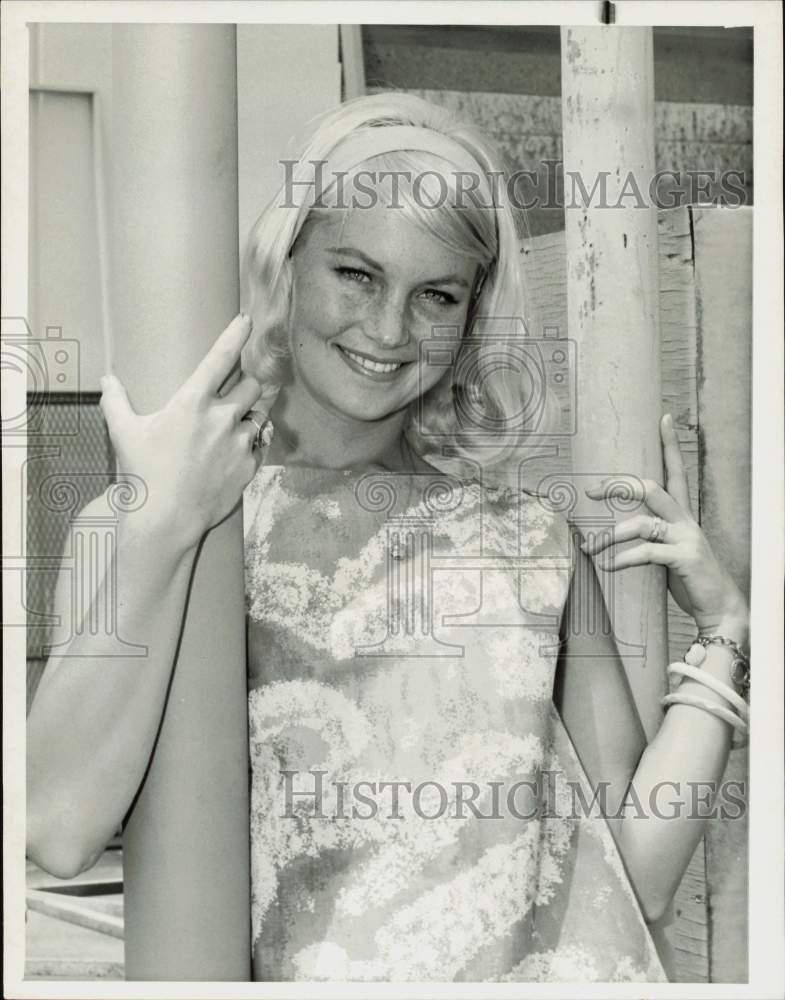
x=389, y=325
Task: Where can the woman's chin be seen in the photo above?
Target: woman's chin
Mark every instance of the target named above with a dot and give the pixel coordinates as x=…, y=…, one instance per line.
x=368, y=414
x=377, y=403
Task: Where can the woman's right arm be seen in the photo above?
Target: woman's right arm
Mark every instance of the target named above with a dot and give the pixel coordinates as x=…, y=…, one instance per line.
x=94, y=720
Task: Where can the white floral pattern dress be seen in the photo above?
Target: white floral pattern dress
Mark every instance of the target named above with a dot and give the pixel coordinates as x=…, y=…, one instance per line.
x=402, y=639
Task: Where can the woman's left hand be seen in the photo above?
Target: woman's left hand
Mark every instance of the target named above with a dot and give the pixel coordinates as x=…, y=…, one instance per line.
x=699, y=584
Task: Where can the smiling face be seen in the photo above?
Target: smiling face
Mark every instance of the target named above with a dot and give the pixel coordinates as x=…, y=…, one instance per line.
x=368, y=287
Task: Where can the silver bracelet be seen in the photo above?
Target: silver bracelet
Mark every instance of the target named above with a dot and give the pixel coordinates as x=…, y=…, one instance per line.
x=740, y=668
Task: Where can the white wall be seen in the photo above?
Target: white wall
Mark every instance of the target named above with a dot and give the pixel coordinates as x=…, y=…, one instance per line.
x=287, y=74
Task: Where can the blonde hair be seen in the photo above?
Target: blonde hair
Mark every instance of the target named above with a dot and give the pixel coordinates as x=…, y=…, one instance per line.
x=490, y=392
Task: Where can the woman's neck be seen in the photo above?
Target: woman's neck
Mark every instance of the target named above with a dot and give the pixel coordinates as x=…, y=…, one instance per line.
x=307, y=433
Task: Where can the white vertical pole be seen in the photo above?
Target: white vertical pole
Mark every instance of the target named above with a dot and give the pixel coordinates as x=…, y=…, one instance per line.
x=175, y=286
x=352, y=61
x=613, y=304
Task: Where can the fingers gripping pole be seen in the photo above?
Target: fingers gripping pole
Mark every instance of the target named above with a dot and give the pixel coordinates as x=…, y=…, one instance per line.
x=175, y=285
x=613, y=306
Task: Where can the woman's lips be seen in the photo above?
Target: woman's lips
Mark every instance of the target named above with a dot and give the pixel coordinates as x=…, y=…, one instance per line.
x=378, y=370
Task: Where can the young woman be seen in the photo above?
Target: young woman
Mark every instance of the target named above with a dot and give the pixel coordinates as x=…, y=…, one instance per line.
x=424, y=725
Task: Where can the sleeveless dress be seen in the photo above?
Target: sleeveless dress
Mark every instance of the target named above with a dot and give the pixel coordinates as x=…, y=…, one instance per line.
x=413, y=789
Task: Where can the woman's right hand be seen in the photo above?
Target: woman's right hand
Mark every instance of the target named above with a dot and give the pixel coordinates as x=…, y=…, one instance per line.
x=195, y=455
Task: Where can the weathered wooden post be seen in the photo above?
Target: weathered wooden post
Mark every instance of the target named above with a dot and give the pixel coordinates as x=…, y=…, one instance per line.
x=175, y=286
x=613, y=305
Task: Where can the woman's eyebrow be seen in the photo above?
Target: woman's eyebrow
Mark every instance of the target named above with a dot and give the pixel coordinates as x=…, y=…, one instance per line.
x=354, y=252
x=448, y=279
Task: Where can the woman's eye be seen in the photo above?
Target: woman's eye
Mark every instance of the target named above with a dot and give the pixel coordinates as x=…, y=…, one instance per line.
x=353, y=274
x=440, y=298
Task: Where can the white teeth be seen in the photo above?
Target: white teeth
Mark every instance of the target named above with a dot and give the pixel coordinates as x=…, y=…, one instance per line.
x=373, y=366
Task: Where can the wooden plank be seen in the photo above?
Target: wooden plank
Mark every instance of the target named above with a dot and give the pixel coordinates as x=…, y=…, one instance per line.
x=75, y=911
x=679, y=365
x=58, y=949
x=723, y=288
x=705, y=314
x=678, y=327
x=687, y=932
x=65, y=969
x=544, y=261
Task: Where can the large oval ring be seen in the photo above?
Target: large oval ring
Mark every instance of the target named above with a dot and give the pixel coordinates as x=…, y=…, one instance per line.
x=264, y=431
x=657, y=530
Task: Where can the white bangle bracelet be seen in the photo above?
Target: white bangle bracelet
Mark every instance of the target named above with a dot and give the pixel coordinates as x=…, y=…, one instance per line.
x=703, y=677
x=713, y=709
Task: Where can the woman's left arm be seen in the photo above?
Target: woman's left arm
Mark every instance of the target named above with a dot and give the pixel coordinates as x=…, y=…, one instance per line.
x=676, y=778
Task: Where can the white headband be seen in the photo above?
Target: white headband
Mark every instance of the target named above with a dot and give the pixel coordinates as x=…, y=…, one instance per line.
x=366, y=143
